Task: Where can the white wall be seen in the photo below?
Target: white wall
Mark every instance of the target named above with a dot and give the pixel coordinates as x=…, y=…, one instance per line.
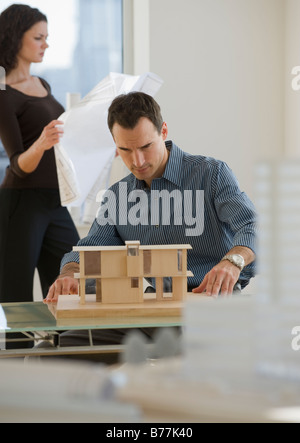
x=222, y=63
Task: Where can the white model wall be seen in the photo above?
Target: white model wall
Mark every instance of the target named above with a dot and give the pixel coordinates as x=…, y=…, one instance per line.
x=223, y=66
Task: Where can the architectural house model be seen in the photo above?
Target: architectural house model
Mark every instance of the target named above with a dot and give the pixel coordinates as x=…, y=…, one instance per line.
x=119, y=272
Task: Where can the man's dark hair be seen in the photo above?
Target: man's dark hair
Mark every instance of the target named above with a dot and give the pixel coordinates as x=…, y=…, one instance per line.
x=127, y=109
x=14, y=22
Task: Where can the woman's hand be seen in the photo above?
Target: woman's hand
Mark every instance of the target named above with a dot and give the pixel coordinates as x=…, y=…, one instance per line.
x=50, y=135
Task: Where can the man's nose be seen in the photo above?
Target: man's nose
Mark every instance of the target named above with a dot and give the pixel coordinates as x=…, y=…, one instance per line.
x=138, y=159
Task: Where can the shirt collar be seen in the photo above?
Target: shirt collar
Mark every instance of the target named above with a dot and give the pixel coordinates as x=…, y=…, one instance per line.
x=173, y=171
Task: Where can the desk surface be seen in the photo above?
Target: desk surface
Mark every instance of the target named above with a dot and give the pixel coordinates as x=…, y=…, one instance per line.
x=37, y=316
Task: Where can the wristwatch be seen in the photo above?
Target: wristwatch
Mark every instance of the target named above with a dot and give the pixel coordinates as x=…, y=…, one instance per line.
x=236, y=260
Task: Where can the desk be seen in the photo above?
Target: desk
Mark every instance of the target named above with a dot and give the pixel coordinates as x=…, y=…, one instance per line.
x=35, y=320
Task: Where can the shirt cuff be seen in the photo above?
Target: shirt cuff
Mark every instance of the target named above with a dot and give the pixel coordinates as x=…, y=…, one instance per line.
x=71, y=257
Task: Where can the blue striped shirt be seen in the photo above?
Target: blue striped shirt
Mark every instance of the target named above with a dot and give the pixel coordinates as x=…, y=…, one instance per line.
x=223, y=215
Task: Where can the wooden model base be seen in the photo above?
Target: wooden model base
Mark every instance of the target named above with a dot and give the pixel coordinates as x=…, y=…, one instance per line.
x=69, y=306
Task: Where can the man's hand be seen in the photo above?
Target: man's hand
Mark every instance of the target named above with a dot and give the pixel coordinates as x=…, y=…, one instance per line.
x=220, y=280
x=65, y=284
x=222, y=277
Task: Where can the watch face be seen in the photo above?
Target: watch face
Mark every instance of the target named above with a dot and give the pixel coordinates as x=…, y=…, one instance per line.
x=238, y=260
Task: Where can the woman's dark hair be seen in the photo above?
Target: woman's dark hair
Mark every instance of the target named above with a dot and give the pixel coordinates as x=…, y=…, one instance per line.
x=127, y=109
x=14, y=22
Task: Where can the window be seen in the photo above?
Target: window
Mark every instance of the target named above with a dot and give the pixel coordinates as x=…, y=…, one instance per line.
x=98, y=290
x=135, y=283
x=92, y=263
x=133, y=251
x=179, y=260
x=86, y=43
x=147, y=262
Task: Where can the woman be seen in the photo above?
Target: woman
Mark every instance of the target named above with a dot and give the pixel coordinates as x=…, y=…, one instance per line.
x=35, y=230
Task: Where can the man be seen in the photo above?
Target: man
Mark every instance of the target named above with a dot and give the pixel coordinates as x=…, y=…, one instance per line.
x=200, y=197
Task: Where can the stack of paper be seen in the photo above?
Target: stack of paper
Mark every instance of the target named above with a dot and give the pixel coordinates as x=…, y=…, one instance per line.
x=86, y=152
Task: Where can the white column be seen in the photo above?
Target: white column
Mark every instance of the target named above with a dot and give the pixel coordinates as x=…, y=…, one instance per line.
x=136, y=36
x=292, y=83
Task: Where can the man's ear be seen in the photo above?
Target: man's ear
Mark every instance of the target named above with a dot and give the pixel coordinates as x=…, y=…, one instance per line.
x=164, y=131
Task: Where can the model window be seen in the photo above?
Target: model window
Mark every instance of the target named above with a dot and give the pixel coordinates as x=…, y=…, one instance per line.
x=179, y=258
x=135, y=282
x=92, y=263
x=133, y=251
x=147, y=262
